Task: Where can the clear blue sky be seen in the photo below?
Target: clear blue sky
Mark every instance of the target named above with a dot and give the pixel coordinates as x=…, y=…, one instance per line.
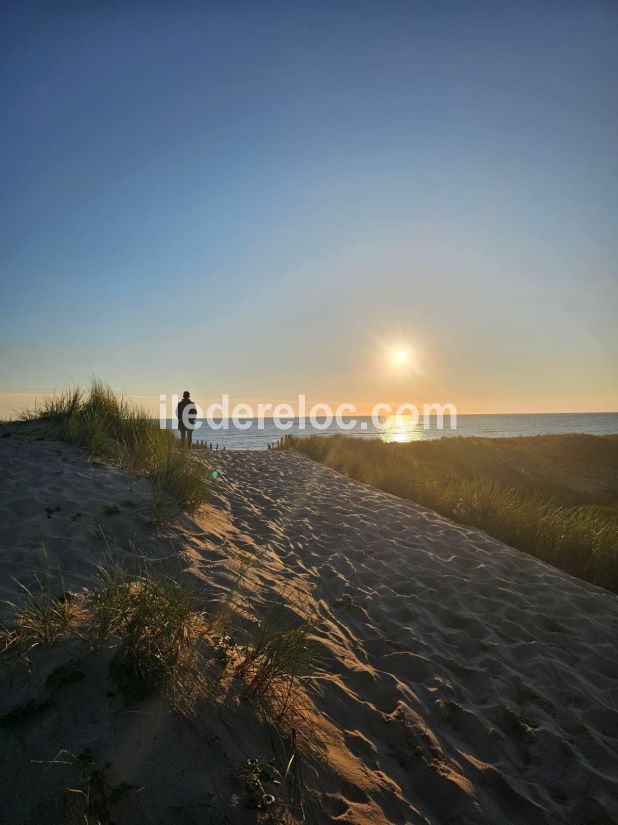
x=265, y=198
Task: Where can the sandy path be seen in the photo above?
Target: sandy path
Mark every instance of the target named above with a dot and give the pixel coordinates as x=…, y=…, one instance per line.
x=464, y=681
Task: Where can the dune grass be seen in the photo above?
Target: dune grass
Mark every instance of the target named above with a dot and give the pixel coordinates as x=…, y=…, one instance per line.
x=157, y=623
x=277, y=651
x=157, y=634
x=109, y=427
x=38, y=619
x=555, y=497
x=165, y=636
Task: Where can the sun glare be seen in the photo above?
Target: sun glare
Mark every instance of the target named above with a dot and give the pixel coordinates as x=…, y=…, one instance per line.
x=400, y=357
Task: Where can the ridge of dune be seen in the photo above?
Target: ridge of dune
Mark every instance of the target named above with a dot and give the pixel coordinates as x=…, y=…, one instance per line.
x=461, y=681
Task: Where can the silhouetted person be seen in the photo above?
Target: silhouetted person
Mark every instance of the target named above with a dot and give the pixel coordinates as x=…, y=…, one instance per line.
x=186, y=413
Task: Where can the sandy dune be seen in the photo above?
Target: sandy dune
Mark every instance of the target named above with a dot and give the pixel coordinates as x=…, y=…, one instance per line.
x=462, y=681
x=75, y=508
x=466, y=681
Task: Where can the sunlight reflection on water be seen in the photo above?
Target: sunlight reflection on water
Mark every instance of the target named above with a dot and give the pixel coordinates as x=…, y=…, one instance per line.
x=401, y=429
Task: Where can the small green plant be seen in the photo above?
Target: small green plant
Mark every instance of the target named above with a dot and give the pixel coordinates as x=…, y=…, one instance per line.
x=226, y=648
x=108, y=603
x=157, y=626
x=278, y=652
x=269, y=789
x=38, y=617
x=260, y=779
x=156, y=621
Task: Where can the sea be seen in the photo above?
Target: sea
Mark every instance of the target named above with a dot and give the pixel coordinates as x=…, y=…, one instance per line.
x=260, y=435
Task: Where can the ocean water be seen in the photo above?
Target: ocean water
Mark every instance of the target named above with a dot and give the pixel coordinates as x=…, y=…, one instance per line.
x=402, y=429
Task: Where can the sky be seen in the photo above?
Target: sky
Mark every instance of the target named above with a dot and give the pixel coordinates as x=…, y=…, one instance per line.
x=266, y=199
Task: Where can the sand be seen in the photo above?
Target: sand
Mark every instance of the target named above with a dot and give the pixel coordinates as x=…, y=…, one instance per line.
x=461, y=681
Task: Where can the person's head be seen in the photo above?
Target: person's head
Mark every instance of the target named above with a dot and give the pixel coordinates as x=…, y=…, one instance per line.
x=186, y=394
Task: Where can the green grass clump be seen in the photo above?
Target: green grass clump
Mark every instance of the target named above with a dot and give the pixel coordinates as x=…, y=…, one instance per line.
x=165, y=639
x=158, y=624
x=39, y=618
x=176, y=479
x=278, y=652
x=109, y=427
x=55, y=407
x=551, y=496
x=152, y=620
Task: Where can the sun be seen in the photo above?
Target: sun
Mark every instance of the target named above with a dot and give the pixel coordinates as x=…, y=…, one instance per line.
x=400, y=357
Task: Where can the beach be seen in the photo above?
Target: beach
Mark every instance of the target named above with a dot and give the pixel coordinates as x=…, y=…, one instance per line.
x=309, y=414
x=458, y=680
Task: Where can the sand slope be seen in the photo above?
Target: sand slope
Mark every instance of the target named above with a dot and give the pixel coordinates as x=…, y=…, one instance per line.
x=52, y=497
x=466, y=681
x=462, y=681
